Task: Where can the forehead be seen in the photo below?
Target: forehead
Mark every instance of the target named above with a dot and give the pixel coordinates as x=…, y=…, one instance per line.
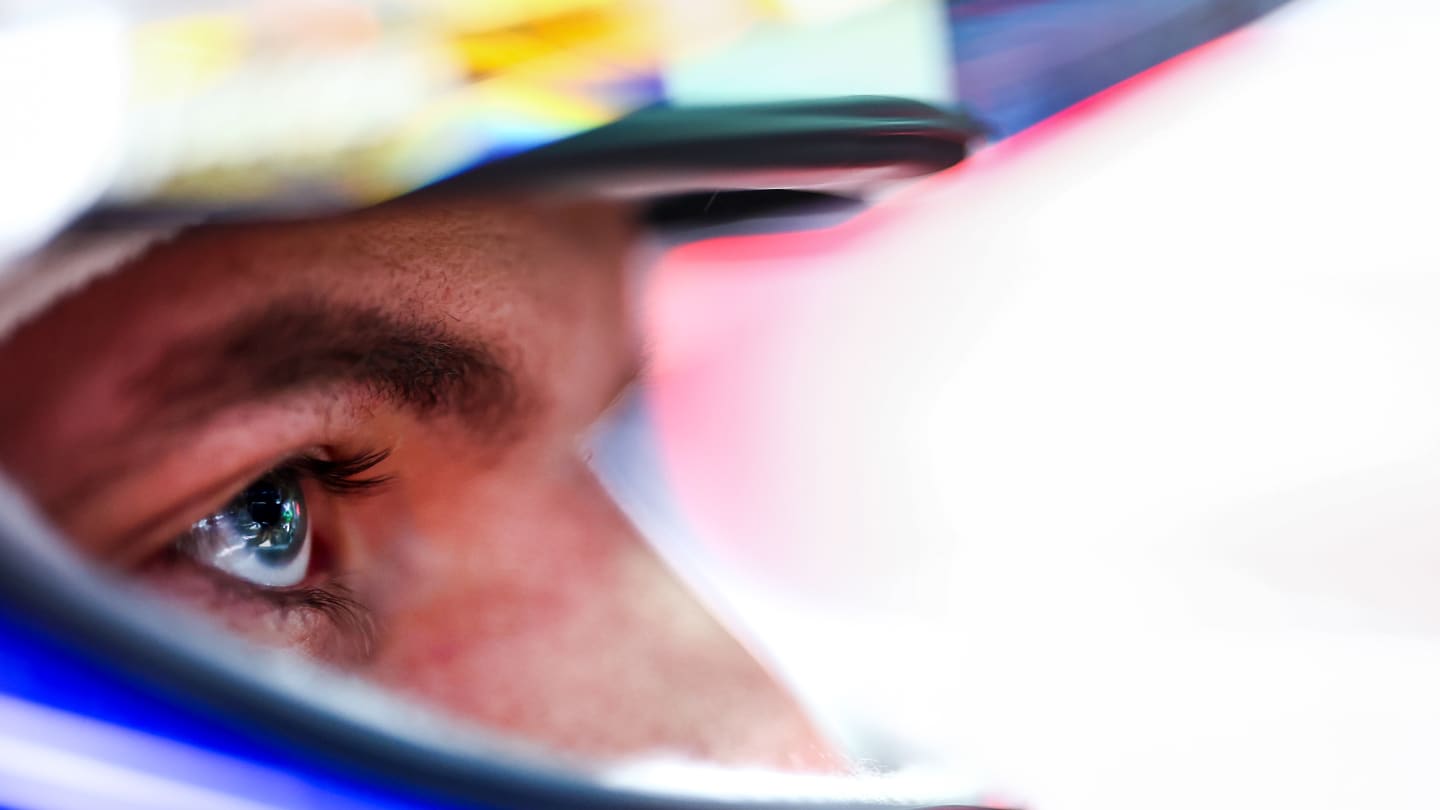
x=443, y=251
x=471, y=261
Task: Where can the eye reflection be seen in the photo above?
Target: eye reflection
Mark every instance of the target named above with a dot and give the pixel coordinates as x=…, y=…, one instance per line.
x=262, y=536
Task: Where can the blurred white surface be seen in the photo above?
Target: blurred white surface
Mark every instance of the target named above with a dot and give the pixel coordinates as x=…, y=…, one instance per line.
x=1106, y=465
x=64, y=74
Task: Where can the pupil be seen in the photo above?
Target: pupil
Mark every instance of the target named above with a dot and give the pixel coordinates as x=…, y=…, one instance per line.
x=270, y=517
x=265, y=503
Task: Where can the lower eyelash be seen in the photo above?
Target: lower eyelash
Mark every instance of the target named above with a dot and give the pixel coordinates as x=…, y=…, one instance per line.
x=355, y=631
x=354, y=622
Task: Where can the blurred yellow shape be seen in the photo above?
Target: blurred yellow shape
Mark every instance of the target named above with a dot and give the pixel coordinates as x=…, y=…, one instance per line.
x=182, y=56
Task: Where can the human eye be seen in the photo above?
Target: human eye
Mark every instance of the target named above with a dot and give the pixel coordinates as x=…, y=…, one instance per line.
x=263, y=536
x=265, y=563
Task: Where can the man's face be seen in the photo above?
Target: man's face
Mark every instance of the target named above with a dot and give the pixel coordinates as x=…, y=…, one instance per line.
x=363, y=438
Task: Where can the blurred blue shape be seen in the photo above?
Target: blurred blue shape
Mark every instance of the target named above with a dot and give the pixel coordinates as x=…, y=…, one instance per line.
x=77, y=733
x=1017, y=62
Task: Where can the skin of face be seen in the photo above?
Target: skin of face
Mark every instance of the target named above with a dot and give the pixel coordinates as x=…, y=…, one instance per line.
x=473, y=344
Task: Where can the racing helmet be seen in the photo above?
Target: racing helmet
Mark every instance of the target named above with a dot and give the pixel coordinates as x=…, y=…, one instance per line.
x=719, y=117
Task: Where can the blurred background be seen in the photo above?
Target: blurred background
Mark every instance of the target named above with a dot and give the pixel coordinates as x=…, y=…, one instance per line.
x=1105, y=463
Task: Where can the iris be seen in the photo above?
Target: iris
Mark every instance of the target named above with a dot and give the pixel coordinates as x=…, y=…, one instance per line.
x=261, y=536
x=270, y=516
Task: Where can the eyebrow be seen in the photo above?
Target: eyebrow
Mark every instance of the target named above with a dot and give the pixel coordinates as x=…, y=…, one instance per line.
x=297, y=345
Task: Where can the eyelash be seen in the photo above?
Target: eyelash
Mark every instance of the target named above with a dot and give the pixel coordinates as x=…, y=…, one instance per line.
x=342, y=476
x=353, y=621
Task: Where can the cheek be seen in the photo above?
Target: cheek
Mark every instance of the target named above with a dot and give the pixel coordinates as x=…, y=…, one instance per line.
x=529, y=606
